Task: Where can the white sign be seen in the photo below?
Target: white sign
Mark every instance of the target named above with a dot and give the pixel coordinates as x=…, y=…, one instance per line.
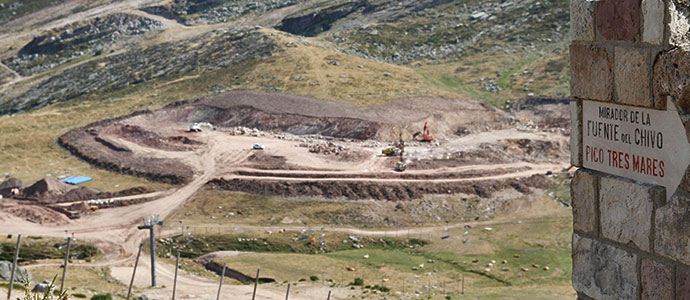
x=642, y=144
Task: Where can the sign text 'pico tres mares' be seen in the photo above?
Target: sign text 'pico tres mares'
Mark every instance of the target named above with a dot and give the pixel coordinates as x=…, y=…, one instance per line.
x=642, y=144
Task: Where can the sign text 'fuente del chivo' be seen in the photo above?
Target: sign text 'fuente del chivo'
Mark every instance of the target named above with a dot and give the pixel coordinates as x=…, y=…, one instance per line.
x=642, y=144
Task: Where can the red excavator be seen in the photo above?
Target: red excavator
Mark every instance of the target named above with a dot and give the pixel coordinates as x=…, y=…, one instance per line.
x=426, y=134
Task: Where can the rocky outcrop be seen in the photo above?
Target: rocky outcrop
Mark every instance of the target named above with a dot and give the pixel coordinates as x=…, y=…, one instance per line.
x=311, y=24
x=58, y=46
x=193, y=12
x=20, y=274
x=206, y=52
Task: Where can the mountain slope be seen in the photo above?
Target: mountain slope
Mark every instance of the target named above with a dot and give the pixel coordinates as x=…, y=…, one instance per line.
x=109, y=58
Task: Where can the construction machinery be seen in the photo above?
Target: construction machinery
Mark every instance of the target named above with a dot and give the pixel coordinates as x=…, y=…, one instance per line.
x=425, y=134
x=391, y=151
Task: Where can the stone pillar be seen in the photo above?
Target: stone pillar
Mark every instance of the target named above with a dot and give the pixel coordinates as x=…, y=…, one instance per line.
x=630, y=240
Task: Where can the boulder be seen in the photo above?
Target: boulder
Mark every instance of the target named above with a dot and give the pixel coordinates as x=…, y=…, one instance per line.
x=20, y=274
x=141, y=297
x=42, y=287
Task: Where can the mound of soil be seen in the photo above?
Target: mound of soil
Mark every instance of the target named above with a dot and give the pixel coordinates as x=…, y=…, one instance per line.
x=50, y=191
x=37, y=214
x=46, y=190
x=84, y=193
x=438, y=175
x=376, y=190
x=80, y=193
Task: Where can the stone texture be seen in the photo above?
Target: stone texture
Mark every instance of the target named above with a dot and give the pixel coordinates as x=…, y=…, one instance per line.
x=653, y=12
x=584, y=200
x=575, y=133
x=678, y=25
x=42, y=287
x=618, y=19
x=19, y=274
x=591, y=69
x=604, y=272
x=582, y=20
x=685, y=182
x=626, y=211
x=632, y=77
x=672, y=224
x=682, y=284
x=670, y=78
x=656, y=280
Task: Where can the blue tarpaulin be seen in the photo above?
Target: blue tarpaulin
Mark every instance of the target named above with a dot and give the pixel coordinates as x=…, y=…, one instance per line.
x=76, y=179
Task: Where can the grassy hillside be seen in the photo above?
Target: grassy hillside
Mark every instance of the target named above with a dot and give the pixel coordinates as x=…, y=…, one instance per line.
x=375, y=52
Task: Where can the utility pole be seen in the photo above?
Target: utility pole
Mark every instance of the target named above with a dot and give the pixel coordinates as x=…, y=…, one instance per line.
x=64, y=267
x=150, y=223
x=14, y=266
x=134, y=272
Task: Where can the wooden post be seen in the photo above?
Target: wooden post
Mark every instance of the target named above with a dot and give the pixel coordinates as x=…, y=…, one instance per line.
x=64, y=269
x=256, y=282
x=463, y=283
x=177, y=267
x=287, y=294
x=329, y=295
x=14, y=265
x=220, y=286
x=134, y=272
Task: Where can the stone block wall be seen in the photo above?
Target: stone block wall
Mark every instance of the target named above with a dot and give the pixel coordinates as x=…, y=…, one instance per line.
x=629, y=241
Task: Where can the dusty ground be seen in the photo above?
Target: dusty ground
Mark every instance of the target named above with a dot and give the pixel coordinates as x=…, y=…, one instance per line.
x=323, y=141
x=158, y=145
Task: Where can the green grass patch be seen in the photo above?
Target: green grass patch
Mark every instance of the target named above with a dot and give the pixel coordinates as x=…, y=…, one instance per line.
x=15, y=286
x=44, y=248
x=289, y=242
